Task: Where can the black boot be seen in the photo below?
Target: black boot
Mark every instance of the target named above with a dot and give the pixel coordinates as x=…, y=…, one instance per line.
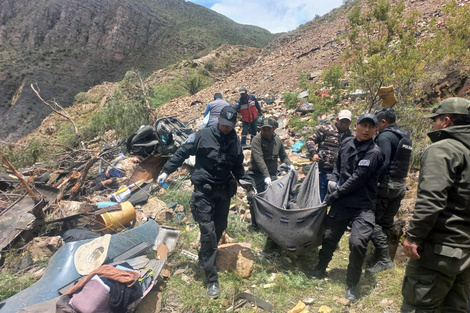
x=352, y=294
x=319, y=272
x=384, y=262
x=213, y=290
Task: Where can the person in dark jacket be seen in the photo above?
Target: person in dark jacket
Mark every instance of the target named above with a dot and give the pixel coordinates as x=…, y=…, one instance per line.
x=250, y=109
x=323, y=146
x=353, y=201
x=437, y=276
x=213, y=109
x=266, y=151
x=396, y=145
x=219, y=160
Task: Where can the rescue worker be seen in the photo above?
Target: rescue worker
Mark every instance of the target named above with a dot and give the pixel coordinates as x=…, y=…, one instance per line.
x=266, y=151
x=396, y=145
x=323, y=146
x=250, y=109
x=219, y=160
x=437, y=276
x=213, y=109
x=352, y=202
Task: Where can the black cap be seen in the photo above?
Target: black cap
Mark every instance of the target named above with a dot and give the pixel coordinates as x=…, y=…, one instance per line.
x=228, y=116
x=367, y=117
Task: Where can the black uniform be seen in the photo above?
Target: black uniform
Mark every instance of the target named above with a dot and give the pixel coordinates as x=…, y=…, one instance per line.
x=218, y=156
x=356, y=170
x=395, y=143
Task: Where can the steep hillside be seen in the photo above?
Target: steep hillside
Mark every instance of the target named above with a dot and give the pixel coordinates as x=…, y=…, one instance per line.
x=312, y=48
x=67, y=47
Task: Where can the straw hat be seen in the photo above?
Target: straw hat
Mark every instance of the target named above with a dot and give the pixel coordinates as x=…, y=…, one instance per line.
x=91, y=255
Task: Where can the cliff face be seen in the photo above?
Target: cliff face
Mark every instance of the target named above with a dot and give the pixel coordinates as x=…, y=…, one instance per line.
x=67, y=46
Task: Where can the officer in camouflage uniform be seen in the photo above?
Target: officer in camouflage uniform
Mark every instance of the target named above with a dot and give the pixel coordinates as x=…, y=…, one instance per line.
x=437, y=277
x=266, y=151
x=326, y=142
x=219, y=158
x=396, y=145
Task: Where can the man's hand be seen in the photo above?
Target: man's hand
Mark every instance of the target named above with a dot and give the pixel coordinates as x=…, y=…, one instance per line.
x=331, y=197
x=315, y=158
x=292, y=167
x=268, y=182
x=161, y=179
x=411, y=249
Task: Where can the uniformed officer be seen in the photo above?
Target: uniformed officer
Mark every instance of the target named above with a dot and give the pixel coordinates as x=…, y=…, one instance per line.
x=396, y=145
x=219, y=158
x=437, y=277
x=353, y=201
x=266, y=151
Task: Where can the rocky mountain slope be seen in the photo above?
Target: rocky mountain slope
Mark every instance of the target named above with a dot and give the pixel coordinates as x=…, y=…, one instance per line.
x=68, y=46
x=310, y=49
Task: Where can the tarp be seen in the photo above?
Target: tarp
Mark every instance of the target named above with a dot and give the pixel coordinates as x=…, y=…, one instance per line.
x=292, y=219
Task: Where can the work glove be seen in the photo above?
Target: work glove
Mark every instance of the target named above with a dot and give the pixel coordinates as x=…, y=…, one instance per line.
x=332, y=186
x=331, y=197
x=292, y=167
x=268, y=182
x=162, y=178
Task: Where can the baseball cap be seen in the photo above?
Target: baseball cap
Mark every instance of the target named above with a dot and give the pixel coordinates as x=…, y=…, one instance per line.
x=268, y=122
x=242, y=90
x=367, y=117
x=228, y=116
x=452, y=105
x=344, y=114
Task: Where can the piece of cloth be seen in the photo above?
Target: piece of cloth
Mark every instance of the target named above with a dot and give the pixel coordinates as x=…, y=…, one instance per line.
x=293, y=221
x=266, y=154
x=121, y=295
x=327, y=138
x=440, y=279
x=107, y=271
x=214, y=108
x=93, y=298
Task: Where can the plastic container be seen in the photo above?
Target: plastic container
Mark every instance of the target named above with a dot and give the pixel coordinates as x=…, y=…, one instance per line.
x=115, y=221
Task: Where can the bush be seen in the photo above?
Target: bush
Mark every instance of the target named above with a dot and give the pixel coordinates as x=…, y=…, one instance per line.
x=25, y=156
x=290, y=99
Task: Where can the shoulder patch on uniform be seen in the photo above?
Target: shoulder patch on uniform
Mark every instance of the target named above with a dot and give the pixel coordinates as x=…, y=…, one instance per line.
x=364, y=163
x=191, y=138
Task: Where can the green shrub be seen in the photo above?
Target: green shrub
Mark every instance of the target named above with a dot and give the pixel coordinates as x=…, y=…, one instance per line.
x=25, y=156
x=290, y=99
x=164, y=92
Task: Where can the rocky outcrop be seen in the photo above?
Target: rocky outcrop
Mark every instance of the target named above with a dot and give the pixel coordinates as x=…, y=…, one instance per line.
x=68, y=46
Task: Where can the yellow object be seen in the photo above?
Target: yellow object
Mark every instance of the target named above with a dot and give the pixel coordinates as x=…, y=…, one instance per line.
x=387, y=94
x=298, y=308
x=324, y=309
x=114, y=221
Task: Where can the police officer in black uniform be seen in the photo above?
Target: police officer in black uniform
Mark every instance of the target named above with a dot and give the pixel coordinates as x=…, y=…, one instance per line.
x=396, y=145
x=352, y=200
x=219, y=158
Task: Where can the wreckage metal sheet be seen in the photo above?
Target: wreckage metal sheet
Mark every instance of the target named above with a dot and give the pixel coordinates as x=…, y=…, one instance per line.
x=18, y=218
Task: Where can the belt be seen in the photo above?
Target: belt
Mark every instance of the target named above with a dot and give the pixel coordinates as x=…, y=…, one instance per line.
x=221, y=186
